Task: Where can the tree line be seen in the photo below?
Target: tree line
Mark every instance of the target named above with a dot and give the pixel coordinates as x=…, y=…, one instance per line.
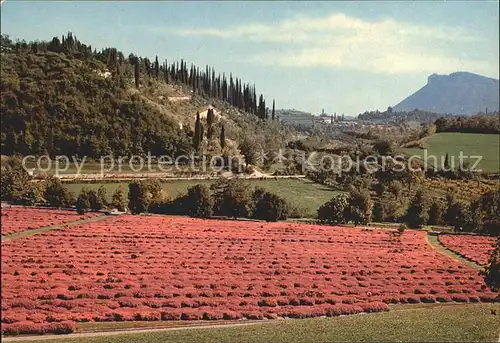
x=480, y=215
x=484, y=123
x=401, y=116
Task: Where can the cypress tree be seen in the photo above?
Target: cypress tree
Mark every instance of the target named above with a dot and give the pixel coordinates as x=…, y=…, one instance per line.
x=157, y=68
x=261, y=111
x=446, y=162
x=147, y=64
x=166, y=71
x=210, y=120
x=197, y=132
x=137, y=72
x=272, y=113
x=222, y=137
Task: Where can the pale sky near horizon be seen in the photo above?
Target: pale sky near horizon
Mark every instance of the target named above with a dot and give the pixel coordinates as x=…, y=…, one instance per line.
x=345, y=57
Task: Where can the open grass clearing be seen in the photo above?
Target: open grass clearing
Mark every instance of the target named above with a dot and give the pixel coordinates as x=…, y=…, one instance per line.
x=470, y=144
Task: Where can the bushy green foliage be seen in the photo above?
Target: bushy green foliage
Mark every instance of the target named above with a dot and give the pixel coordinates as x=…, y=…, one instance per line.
x=490, y=204
x=142, y=194
x=335, y=211
x=249, y=150
x=83, y=202
x=383, y=147
x=14, y=179
x=233, y=198
x=418, y=212
x=360, y=206
x=198, y=202
x=257, y=195
x=119, y=199
x=435, y=213
x=378, y=214
x=401, y=228
x=33, y=194
x=492, y=272
x=57, y=195
x=101, y=199
x=90, y=199
x=271, y=208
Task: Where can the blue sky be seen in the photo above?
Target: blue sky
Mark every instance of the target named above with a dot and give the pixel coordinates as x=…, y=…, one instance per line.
x=345, y=57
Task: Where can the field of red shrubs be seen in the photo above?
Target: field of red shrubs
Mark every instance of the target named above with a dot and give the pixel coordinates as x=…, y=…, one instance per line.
x=474, y=248
x=176, y=268
x=18, y=219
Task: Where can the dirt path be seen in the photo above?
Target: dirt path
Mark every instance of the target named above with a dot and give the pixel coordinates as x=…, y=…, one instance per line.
x=25, y=233
x=168, y=177
x=433, y=241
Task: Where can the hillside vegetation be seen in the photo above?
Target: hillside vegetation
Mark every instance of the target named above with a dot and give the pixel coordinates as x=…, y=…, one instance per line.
x=63, y=98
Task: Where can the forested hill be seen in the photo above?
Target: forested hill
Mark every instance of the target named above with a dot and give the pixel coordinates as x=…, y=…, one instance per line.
x=63, y=97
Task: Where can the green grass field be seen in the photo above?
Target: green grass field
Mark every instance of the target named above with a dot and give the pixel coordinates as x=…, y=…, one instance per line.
x=440, y=323
x=471, y=144
x=302, y=194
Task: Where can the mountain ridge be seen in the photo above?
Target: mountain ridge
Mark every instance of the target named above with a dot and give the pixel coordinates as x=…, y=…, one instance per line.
x=460, y=93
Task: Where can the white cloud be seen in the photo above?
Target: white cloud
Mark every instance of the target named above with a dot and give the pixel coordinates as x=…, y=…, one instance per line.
x=316, y=29
x=340, y=41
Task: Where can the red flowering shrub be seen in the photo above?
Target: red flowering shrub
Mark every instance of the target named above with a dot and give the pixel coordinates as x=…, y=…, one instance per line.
x=18, y=219
x=339, y=310
x=475, y=248
x=21, y=328
x=374, y=307
x=255, y=271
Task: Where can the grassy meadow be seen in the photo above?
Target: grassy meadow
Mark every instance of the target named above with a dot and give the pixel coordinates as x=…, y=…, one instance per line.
x=471, y=144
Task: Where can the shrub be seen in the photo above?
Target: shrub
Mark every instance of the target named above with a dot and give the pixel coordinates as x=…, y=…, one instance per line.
x=57, y=195
x=395, y=188
x=383, y=148
x=378, y=214
x=360, y=206
x=100, y=200
x=198, y=202
x=33, y=194
x=119, y=199
x=231, y=315
x=268, y=303
x=435, y=213
x=338, y=310
x=14, y=179
x=335, y=211
x=491, y=273
x=401, y=228
x=142, y=193
x=418, y=212
x=21, y=328
x=232, y=198
x=83, y=202
x=257, y=195
x=374, y=307
x=271, y=208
